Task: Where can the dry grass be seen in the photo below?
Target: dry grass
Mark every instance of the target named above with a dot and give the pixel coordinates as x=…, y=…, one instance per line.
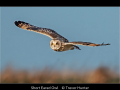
x=99, y=75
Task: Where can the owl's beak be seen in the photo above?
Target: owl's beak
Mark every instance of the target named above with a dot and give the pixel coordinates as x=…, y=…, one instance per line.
x=54, y=45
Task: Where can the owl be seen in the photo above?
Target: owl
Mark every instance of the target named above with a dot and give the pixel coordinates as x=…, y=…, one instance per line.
x=58, y=42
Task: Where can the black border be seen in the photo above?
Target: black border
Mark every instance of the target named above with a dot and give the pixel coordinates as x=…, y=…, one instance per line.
x=59, y=86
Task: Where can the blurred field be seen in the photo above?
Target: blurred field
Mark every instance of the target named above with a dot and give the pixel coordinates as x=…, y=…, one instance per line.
x=99, y=75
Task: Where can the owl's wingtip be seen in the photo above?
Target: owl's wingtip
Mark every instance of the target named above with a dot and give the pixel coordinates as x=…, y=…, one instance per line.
x=16, y=23
x=105, y=44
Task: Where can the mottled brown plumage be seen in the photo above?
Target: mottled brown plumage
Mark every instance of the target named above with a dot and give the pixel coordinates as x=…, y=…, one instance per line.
x=58, y=42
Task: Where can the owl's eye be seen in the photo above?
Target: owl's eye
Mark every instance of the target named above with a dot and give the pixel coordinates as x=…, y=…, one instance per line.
x=51, y=43
x=57, y=43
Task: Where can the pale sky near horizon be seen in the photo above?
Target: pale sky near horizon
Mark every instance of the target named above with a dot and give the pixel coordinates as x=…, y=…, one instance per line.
x=27, y=50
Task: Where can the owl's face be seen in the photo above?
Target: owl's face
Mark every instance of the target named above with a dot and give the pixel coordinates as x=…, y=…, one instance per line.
x=55, y=44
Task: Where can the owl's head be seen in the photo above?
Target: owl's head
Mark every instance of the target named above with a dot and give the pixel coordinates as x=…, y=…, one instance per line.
x=55, y=44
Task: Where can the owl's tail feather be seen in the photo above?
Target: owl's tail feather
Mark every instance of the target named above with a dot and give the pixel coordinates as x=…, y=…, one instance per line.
x=77, y=47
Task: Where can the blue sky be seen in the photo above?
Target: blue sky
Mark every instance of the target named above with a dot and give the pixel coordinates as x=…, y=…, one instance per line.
x=29, y=50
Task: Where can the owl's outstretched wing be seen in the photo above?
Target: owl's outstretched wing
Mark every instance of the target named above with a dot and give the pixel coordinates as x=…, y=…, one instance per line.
x=48, y=32
x=86, y=44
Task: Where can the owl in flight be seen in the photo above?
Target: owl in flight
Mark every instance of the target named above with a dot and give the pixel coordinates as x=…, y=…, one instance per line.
x=58, y=42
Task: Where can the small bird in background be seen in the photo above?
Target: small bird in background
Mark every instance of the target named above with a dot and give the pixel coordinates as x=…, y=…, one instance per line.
x=58, y=42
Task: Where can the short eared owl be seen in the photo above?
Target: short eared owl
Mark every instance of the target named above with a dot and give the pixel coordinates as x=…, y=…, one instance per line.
x=58, y=42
